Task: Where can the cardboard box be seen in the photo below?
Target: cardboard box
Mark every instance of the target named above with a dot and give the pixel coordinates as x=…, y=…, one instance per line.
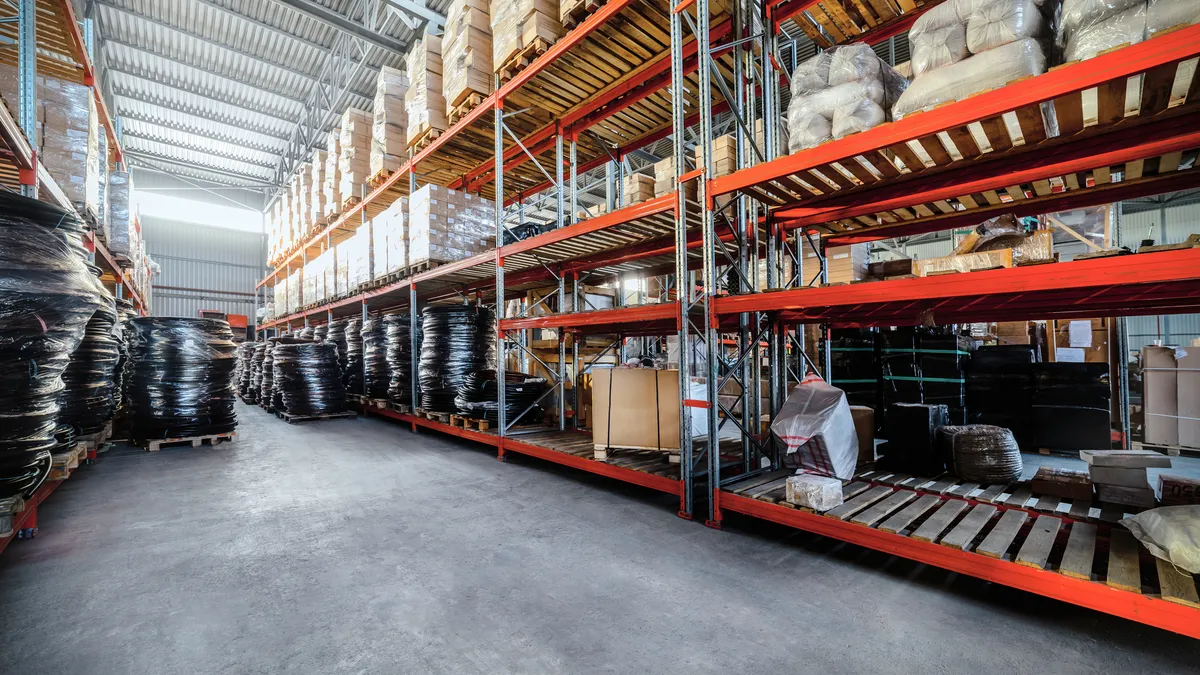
x=635, y=408
x=864, y=428
x=1187, y=398
x=844, y=263
x=1160, y=397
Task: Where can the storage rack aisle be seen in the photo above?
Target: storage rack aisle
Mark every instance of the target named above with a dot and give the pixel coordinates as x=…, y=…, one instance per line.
x=47, y=39
x=668, y=73
x=930, y=172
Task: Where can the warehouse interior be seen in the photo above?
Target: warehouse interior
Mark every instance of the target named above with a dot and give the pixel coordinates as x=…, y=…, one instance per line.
x=599, y=336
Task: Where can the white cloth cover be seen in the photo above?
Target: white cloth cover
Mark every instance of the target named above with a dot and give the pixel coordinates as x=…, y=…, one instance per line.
x=991, y=69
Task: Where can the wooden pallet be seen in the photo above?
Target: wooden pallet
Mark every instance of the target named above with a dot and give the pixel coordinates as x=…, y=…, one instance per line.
x=1105, y=554
x=469, y=423
x=521, y=60
x=248, y=400
x=298, y=419
x=195, y=441
x=379, y=178
x=444, y=418
x=424, y=137
x=602, y=453
x=1172, y=450
x=350, y=202
x=574, y=12
x=401, y=408
x=472, y=100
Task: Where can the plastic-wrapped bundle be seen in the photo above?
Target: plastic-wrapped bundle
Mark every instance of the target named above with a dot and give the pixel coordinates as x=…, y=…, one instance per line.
x=336, y=334
x=256, y=368
x=266, y=373
x=1164, y=14
x=86, y=402
x=399, y=356
x=458, y=341
x=855, y=117
x=1126, y=27
x=1000, y=22
x=479, y=395
x=245, y=373
x=376, y=376
x=182, y=378
x=308, y=380
x=981, y=453
x=353, y=377
x=1080, y=14
x=47, y=297
x=838, y=92
x=991, y=69
x=937, y=47
x=305, y=333
x=319, y=332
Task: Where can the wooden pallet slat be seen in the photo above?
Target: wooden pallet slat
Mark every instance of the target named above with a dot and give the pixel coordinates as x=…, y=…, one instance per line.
x=1177, y=585
x=933, y=527
x=996, y=543
x=1080, y=552
x=898, y=522
x=883, y=508
x=858, y=503
x=1124, y=566
x=969, y=527
x=1035, y=552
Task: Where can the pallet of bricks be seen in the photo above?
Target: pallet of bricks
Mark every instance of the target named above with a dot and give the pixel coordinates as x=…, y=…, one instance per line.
x=389, y=126
x=521, y=31
x=467, y=70
x=424, y=100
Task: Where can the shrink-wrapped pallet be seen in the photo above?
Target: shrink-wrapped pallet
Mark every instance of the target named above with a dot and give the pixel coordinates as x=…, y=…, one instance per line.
x=1091, y=35
x=466, y=52
x=302, y=207
x=354, y=161
x=446, y=225
x=317, y=187
x=522, y=29
x=279, y=292
x=1000, y=22
x=424, y=101
x=839, y=92
x=333, y=175
x=1080, y=14
x=121, y=215
x=953, y=30
x=389, y=125
x=991, y=69
x=389, y=236
x=295, y=289
x=355, y=255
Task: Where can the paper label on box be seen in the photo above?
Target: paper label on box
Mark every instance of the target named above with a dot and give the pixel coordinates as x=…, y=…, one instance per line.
x=1069, y=354
x=1079, y=334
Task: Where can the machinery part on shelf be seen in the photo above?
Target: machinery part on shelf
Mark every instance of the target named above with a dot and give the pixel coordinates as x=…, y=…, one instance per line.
x=86, y=402
x=981, y=453
x=48, y=298
x=459, y=340
x=376, y=375
x=399, y=356
x=308, y=380
x=353, y=377
x=182, y=378
x=478, y=396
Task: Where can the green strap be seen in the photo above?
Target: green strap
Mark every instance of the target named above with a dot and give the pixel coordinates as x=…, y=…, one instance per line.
x=926, y=351
x=872, y=381
x=904, y=378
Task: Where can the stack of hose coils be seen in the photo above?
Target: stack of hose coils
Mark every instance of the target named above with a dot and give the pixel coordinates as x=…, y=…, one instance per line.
x=268, y=393
x=399, y=356
x=48, y=297
x=478, y=397
x=336, y=335
x=182, y=381
x=459, y=340
x=353, y=377
x=308, y=380
x=376, y=375
x=318, y=333
x=256, y=371
x=86, y=402
x=125, y=313
x=305, y=333
x=245, y=371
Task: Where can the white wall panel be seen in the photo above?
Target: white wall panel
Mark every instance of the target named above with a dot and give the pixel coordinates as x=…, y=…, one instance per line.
x=203, y=267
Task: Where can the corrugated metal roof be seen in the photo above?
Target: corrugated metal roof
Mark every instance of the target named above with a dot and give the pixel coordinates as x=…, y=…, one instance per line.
x=217, y=87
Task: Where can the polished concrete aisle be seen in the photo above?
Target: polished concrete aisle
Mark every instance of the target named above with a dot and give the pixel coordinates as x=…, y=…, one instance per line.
x=358, y=547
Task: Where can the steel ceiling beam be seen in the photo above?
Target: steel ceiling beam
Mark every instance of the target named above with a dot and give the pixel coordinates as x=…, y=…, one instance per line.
x=283, y=116
x=264, y=25
x=329, y=17
x=255, y=181
x=195, y=147
x=120, y=93
x=416, y=9
x=207, y=160
x=274, y=147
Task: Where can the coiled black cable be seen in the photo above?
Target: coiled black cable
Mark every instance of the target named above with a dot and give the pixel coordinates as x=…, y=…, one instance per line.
x=335, y=334
x=86, y=402
x=458, y=340
x=244, y=376
x=981, y=453
x=256, y=371
x=305, y=333
x=479, y=395
x=399, y=356
x=268, y=392
x=353, y=377
x=47, y=299
x=376, y=375
x=182, y=382
x=318, y=332
x=308, y=380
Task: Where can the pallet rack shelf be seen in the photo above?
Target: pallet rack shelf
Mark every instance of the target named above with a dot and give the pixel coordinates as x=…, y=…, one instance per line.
x=640, y=71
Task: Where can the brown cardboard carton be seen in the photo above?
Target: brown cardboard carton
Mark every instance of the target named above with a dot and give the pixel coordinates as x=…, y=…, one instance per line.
x=864, y=428
x=1160, y=398
x=1188, y=399
x=635, y=408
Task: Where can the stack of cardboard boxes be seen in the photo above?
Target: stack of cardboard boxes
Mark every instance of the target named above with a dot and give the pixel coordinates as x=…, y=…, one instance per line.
x=1119, y=476
x=1171, y=396
x=333, y=174
x=844, y=263
x=302, y=204
x=638, y=188
x=664, y=180
x=316, y=181
x=446, y=225
x=519, y=25
x=466, y=53
x=389, y=127
x=1081, y=341
x=389, y=239
x=424, y=101
x=354, y=164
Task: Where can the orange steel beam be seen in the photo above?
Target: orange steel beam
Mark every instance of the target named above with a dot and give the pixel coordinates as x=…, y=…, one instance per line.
x=641, y=314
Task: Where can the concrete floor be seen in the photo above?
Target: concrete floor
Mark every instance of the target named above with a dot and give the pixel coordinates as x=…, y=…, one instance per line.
x=358, y=547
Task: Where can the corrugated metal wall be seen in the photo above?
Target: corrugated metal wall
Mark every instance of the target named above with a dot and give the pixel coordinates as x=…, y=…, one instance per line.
x=203, y=267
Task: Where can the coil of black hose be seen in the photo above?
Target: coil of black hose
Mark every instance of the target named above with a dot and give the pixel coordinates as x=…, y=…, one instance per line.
x=399, y=356
x=478, y=397
x=46, y=300
x=86, y=402
x=182, y=382
x=244, y=374
x=335, y=334
x=269, y=393
x=376, y=375
x=981, y=453
x=318, y=332
x=458, y=340
x=308, y=380
x=353, y=377
x=256, y=368
x=305, y=333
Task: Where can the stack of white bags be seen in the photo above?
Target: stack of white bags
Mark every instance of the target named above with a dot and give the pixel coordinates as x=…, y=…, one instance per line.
x=839, y=92
x=1089, y=27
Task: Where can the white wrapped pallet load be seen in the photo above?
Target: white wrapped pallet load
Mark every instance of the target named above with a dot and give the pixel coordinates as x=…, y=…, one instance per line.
x=280, y=295
x=989, y=70
x=295, y=289
x=357, y=254
x=1000, y=22
x=849, y=83
x=121, y=210
x=937, y=47
x=815, y=430
x=316, y=214
x=1080, y=14
x=389, y=247
x=1127, y=27
x=389, y=126
x=1164, y=14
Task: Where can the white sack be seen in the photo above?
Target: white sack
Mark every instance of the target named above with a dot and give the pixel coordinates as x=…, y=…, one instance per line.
x=1171, y=533
x=807, y=130
x=812, y=75
x=1079, y=14
x=1001, y=22
x=854, y=63
x=938, y=48
x=1163, y=14
x=1127, y=27
x=816, y=430
x=855, y=117
x=991, y=69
